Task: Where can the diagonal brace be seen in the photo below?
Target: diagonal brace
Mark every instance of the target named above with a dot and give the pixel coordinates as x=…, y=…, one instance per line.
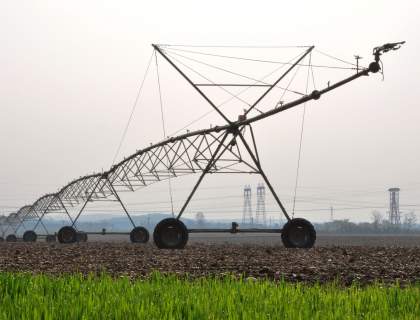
x=205, y=171
x=258, y=164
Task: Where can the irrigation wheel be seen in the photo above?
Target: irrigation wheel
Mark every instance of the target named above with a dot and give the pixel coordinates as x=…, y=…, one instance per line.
x=11, y=238
x=139, y=235
x=67, y=234
x=29, y=236
x=170, y=233
x=81, y=236
x=50, y=238
x=298, y=233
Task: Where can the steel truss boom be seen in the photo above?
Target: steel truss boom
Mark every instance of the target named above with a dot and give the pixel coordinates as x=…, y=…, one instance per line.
x=175, y=156
x=190, y=152
x=213, y=150
x=16, y=219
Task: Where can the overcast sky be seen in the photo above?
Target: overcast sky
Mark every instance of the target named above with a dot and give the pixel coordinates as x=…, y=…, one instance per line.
x=70, y=71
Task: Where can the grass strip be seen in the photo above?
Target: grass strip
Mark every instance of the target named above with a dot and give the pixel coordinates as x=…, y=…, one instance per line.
x=25, y=296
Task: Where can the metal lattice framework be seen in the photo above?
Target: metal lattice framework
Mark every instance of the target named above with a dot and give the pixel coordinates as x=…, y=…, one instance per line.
x=3, y=225
x=182, y=155
x=16, y=219
x=90, y=187
x=178, y=156
x=6, y=223
x=221, y=149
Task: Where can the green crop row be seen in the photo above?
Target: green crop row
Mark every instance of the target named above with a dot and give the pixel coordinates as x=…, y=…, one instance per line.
x=24, y=296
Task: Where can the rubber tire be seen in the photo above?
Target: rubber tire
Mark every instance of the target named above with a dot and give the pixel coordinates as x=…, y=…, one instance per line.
x=167, y=228
x=67, y=234
x=11, y=238
x=81, y=236
x=298, y=224
x=139, y=235
x=1, y=239
x=50, y=238
x=29, y=236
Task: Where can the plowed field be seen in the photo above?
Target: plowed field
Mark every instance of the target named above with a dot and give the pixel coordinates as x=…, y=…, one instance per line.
x=323, y=264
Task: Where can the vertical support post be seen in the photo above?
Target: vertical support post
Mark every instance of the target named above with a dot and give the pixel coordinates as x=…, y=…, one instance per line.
x=19, y=225
x=56, y=196
x=254, y=143
x=40, y=218
x=23, y=219
x=205, y=171
x=42, y=224
x=7, y=227
x=65, y=209
x=122, y=204
x=87, y=200
x=257, y=163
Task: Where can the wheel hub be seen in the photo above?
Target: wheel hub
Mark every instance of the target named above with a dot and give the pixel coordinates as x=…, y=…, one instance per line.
x=298, y=235
x=139, y=235
x=67, y=235
x=29, y=236
x=170, y=233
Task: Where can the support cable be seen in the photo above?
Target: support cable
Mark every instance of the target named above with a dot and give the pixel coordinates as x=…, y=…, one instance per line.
x=268, y=61
x=300, y=141
x=337, y=59
x=211, y=103
x=209, y=80
x=133, y=109
x=233, y=72
x=232, y=46
x=290, y=82
x=164, y=131
x=231, y=98
x=312, y=72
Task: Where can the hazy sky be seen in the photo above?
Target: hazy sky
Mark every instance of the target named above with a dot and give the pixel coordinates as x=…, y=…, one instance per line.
x=70, y=71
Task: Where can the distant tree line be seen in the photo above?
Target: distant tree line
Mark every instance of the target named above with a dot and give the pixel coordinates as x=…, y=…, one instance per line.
x=378, y=225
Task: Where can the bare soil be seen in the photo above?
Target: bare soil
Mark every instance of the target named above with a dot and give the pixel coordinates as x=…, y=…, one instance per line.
x=320, y=264
x=322, y=240
x=269, y=239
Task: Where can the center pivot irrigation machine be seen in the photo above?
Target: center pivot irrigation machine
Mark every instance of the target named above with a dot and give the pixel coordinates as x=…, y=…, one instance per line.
x=218, y=149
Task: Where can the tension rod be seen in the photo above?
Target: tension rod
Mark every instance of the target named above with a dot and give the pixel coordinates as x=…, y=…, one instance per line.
x=279, y=79
x=156, y=47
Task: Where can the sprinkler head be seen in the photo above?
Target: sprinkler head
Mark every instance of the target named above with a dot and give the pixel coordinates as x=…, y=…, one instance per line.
x=374, y=67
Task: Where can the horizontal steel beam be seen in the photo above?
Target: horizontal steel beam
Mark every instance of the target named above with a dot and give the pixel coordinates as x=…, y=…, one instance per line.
x=107, y=232
x=250, y=230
